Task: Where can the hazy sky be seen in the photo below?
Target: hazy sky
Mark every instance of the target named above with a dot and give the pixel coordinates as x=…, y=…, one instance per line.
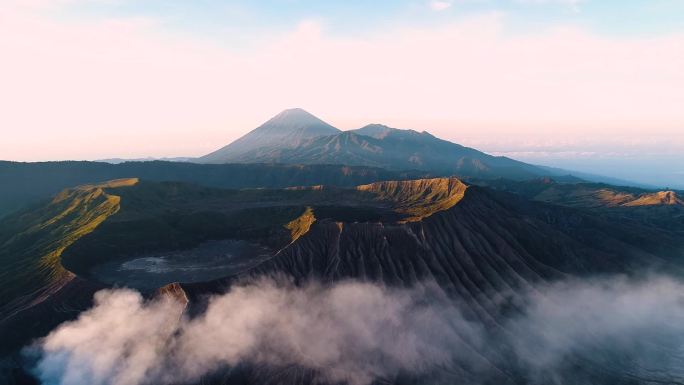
x=536, y=79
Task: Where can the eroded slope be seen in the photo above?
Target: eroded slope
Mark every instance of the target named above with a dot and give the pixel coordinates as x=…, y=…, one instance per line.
x=420, y=198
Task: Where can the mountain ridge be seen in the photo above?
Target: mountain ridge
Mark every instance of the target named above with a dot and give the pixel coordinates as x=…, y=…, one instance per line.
x=29, y=183
x=374, y=145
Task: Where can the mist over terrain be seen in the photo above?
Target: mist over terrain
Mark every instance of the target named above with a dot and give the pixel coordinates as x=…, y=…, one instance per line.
x=355, y=332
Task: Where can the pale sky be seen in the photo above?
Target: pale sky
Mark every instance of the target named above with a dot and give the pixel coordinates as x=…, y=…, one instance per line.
x=533, y=79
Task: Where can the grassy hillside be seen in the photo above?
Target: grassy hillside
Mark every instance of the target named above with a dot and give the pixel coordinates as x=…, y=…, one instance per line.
x=32, y=242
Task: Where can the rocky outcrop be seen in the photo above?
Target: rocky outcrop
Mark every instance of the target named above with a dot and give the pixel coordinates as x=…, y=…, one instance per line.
x=419, y=198
x=173, y=291
x=668, y=198
x=301, y=224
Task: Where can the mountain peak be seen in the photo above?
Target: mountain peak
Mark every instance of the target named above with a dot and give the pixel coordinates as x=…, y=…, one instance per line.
x=375, y=130
x=295, y=110
x=288, y=129
x=381, y=131
x=298, y=117
x=294, y=113
x=294, y=124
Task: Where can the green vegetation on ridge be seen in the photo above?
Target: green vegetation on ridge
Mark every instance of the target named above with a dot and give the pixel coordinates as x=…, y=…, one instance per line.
x=32, y=243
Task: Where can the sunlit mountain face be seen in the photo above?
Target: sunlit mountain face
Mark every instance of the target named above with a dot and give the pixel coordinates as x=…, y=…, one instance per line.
x=453, y=192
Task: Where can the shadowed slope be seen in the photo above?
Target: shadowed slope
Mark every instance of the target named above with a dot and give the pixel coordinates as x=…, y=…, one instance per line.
x=487, y=240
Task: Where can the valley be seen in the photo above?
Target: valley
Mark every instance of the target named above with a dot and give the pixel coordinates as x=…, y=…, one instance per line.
x=208, y=261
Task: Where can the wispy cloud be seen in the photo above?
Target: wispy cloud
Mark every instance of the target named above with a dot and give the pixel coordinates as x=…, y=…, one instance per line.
x=440, y=5
x=573, y=5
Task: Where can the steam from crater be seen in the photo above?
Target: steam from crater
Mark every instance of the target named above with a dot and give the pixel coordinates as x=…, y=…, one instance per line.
x=356, y=332
x=351, y=332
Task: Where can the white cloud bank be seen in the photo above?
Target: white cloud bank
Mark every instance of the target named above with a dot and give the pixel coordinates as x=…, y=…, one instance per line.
x=356, y=332
x=351, y=332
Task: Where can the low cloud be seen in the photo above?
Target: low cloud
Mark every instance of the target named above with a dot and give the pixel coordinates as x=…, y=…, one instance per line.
x=355, y=333
x=122, y=340
x=351, y=332
x=633, y=327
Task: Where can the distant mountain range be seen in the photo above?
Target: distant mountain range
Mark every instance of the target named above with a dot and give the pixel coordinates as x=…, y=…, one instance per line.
x=145, y=159
x=293, y=148
x=297, y=137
